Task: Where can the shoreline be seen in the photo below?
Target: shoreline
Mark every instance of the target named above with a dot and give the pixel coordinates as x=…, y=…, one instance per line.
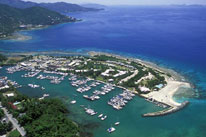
x=164, y=95
x=17, y=36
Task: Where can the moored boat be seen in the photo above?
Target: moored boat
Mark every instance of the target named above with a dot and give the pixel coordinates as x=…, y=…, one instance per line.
x=116, y=123
x=100, y=115
x=111, y=129
x=103, y=118
x=73, y=101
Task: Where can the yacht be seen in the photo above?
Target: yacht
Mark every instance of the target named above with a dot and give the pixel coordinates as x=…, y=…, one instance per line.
x=111, y=129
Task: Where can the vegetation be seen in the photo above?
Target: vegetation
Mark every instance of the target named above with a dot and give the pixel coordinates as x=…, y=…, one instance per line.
x=105, y=58
x=14, y=133
x=43, y=118
x=1, y=113
x=47, y=117
x=12, y=19
x=100, y=63
x=131, y=82
x=4, y=127
x=2, y=58
x=61, y=7
x=13, y=60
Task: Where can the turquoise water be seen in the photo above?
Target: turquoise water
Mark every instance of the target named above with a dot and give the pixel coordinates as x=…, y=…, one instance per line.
x=172, y=37
x=186, y=122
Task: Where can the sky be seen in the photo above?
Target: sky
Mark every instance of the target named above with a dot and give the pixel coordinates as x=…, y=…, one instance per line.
x=129, y=2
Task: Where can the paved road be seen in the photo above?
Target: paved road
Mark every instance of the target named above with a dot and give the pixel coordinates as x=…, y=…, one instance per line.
x=14, y=122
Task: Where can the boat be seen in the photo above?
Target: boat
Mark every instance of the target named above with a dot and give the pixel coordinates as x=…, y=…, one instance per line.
x=33, y=86
x=116, y=123
x=111, y=129
x=103, y=118
x=100, y=115
x=73, y=101
x=45, y=95
x=90, y=111
x=86, y=96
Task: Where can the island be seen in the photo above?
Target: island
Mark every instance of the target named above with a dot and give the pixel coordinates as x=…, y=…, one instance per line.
x=156, y=84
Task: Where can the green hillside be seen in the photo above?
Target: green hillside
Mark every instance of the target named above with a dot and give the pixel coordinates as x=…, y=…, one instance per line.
x=12, y=19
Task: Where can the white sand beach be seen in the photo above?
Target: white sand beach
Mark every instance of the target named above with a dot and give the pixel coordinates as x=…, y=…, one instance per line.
x=165, y=95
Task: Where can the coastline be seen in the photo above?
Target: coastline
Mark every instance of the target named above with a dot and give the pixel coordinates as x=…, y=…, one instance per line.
x=163, y=96
x=17, y=36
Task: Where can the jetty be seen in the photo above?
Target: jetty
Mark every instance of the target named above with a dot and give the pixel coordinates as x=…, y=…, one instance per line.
x=167, y=111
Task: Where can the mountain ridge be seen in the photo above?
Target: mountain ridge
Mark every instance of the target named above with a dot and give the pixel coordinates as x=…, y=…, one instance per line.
x=61, y=7
x=13, y=19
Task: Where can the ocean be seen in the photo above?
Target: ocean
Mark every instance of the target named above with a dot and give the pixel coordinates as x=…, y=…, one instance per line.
x=170, y=36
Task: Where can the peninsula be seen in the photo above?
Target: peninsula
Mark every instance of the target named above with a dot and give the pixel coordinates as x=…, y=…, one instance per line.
x=14, y=19
x=155, y=84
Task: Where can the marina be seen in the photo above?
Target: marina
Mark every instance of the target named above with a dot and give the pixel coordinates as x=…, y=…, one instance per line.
x=107, y=116
x=171, y=36
x=81, y=85
x=80, y=91
x=119, y=101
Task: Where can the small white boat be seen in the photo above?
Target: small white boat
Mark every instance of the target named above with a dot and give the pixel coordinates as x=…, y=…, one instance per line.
x=86, y=96
x=117, y=123
x=100, y=115
x=45, y=95
x=111, y=129
x=73, y=101
x=103, y=118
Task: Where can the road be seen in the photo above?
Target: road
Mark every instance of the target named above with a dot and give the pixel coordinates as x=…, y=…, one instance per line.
x=14, y=122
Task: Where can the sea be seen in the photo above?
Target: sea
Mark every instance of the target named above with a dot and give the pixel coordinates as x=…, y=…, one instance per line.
x=173, y=37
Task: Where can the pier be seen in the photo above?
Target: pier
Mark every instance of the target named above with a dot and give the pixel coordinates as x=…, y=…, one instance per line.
x=167, y=111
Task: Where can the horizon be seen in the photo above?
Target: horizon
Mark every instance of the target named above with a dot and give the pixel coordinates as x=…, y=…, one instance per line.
x=127, y=3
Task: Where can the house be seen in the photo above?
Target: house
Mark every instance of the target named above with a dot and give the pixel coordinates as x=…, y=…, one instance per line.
x=10, y=94
x=12, y=105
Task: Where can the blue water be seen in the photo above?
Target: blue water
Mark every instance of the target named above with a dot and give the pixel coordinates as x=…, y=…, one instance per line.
x=173, y=37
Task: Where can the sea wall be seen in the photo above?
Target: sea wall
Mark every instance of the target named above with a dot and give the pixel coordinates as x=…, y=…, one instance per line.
x=167, y=111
